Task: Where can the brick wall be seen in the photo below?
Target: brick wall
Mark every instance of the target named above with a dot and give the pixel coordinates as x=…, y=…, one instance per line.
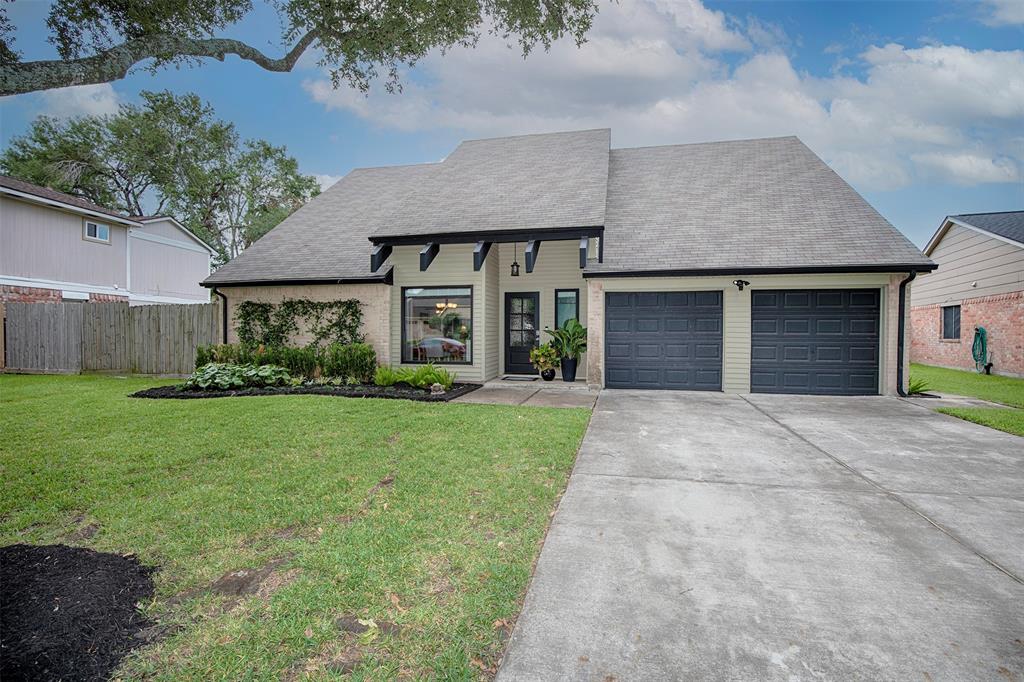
x=376, y=300
x=107, y=298
x=1001, y=315
x=12, y=294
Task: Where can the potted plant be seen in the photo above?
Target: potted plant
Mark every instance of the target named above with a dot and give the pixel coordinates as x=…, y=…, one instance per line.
x=569, y=342
x=545, y=358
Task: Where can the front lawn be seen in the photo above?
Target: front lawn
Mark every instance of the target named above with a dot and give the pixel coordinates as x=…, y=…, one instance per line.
x=1005, y=390
x=397, y=537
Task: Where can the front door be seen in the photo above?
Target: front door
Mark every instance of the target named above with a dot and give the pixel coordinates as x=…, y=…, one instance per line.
x=521, y=331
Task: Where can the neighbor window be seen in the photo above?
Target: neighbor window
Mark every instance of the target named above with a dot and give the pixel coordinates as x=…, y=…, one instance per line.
x=951, y=322
x=567, y=306
x=437, y=324
x=97, y=232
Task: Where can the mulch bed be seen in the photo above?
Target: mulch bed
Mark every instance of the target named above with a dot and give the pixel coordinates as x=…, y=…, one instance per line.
x=68, y=613
x=362, y=391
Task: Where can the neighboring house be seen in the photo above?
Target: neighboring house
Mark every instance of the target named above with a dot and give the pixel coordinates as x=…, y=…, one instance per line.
x=979, y=283
x=736, y=266
x=55, y=247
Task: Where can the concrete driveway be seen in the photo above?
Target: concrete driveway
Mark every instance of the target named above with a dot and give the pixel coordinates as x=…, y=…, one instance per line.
x=711, y=536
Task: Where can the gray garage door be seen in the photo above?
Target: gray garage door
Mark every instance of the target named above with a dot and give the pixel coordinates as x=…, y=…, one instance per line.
x=815, y=341
x=664, y=340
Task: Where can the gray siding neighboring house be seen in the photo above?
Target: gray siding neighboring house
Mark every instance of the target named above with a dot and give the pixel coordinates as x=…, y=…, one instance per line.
x=55, y=247
x=979, y=283
x=429, y=249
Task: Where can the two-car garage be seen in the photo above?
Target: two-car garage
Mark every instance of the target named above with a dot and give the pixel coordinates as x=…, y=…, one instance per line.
x=810, y=341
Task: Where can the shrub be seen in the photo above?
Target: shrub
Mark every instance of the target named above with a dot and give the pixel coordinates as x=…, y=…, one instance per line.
x=918, y=386
x=353, y=360
x=426, y=376
x=298, y=361
x=386, y=376
x=215, y=375
x=544, y=357
x=224, y=353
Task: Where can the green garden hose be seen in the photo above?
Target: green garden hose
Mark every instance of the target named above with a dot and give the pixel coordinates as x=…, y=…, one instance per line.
x=980, y=348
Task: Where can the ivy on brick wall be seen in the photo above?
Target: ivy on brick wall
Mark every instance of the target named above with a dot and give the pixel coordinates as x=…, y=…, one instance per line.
x=273, y=324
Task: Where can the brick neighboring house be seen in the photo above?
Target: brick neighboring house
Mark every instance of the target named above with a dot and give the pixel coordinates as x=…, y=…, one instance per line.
x=56, y=247
x=979, y=283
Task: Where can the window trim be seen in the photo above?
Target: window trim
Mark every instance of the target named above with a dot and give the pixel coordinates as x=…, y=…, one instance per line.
x=98, y=224
x=942, y=322
x=472, y=330
x=575, y=291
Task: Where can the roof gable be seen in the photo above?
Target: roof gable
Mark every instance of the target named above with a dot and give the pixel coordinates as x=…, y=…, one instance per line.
x=26, y=190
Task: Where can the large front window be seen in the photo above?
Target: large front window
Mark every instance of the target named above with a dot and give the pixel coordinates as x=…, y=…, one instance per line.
x=437, y=324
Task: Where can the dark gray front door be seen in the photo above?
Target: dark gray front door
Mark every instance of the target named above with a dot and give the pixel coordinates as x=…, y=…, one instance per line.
x=663, y=339
x=820, y=341
x=521, y=331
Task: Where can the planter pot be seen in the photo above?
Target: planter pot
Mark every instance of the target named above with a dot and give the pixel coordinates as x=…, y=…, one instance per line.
x=569, y=369
x=547, y=374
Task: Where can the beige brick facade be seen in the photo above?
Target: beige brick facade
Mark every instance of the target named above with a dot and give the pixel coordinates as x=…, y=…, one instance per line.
x=376, y=300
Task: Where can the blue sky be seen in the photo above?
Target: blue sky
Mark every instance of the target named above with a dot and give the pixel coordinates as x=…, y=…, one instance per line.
x=919, y=105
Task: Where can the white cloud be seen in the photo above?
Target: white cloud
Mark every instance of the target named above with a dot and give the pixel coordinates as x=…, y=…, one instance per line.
x=80, y=100
x=326, y=180
x=1004, y=12
x=968, y=169
x=930, y=112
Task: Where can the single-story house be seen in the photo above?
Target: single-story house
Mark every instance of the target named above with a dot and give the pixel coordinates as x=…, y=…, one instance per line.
x=735, y=266
x=57, y=247
x=979, y=283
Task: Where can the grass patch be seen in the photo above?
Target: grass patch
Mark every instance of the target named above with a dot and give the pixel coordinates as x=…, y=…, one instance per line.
x=1007, y=419
x=1005, y=390
x=997, y=389
x=418, y=522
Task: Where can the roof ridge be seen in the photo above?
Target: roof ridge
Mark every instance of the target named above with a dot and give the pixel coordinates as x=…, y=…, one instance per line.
x=394, y=166
x=964, y=215
x=695, y=144
x=516, y=137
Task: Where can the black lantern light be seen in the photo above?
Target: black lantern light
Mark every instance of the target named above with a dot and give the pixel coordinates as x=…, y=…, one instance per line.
x=515, y=262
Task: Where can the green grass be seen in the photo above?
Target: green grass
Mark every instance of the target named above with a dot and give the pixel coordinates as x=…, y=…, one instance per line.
x=203, y=487
x=1005, y=390
x=1009, y=419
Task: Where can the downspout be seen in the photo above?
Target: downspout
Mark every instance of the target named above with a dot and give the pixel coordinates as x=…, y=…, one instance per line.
x=902, y=334
x=224, y=314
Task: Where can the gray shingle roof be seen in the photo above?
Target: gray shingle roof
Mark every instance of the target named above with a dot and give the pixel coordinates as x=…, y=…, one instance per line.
x=767, y=203
x=53, y=195
x=510, y=183
x=1008, y=224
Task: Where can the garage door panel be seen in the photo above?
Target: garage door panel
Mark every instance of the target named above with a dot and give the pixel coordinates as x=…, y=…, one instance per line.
x=665, y=340
x=815, y=341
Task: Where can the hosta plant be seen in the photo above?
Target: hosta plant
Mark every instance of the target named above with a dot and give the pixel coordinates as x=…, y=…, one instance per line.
x=222, y=376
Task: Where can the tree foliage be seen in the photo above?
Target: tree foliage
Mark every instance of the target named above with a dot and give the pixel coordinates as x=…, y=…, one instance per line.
x=356, y=40
x=169, y=154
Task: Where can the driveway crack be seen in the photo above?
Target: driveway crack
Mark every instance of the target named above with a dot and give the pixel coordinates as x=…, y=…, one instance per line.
x=910, y=507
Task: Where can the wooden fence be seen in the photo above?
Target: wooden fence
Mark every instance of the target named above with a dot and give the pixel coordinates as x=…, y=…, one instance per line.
x=108, y=337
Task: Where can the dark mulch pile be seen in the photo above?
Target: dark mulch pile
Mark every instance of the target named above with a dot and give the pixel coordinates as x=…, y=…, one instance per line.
x=363, y=391
x=68, y=613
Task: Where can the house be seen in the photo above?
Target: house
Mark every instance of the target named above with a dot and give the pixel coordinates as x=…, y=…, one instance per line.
x=979, y=283
x=56, y=247
x=734, y=266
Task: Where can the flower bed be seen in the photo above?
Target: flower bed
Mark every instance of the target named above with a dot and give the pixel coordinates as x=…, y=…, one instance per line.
x=397, y=391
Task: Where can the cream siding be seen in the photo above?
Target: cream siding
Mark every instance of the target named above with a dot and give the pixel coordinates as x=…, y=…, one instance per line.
x=161, y=269
x=376, y=300
x=453, y=266
x=493, y=315
x=736, y=316
x=46, y=243
x=971, y=265
x=166, y=228
x=557, y=267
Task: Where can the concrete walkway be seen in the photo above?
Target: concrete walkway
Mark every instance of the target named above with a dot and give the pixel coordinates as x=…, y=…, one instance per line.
x=531, y=395
x=709, y=536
